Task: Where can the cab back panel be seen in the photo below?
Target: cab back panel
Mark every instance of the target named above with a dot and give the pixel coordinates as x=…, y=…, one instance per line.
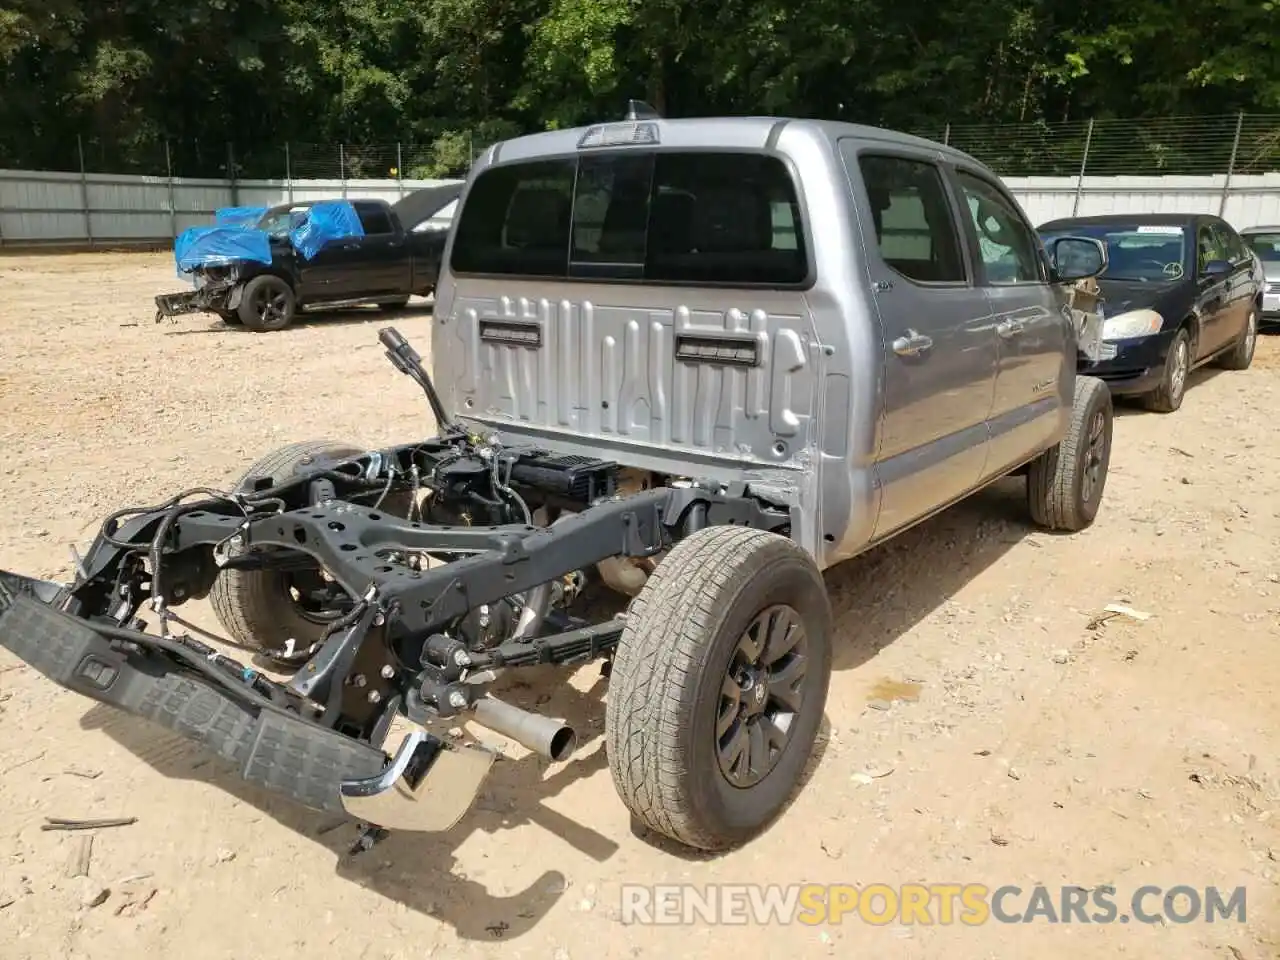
x=590, y=364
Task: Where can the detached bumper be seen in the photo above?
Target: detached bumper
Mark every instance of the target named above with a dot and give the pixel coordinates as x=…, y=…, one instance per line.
x=1131, y=367
x=212, y=295
x=177, y=304
x=424, y=787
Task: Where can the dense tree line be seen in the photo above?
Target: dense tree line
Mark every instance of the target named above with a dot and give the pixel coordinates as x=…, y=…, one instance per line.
x=127, y=76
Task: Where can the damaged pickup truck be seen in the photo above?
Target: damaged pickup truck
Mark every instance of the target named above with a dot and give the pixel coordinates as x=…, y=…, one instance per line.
x=689, y=364
x=260, y=266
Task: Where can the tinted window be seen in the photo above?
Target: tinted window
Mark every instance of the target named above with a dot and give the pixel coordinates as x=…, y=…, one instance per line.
x=515, y=221
x=660, y=217
x=915, y=230
x=375, y=219
x=611, y=213
x=1008, y=246
x=725, y=218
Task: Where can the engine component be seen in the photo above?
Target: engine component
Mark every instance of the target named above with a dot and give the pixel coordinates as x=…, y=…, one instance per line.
x=626, y=575
x=581, y=479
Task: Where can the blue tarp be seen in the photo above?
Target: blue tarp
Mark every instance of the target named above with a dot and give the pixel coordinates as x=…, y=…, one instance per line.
x=326, y=221
x=238, y=216
x=219, y=246
x=235, y=239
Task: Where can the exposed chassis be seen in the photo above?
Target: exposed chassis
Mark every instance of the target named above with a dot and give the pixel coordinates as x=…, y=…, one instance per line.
x=404, y=645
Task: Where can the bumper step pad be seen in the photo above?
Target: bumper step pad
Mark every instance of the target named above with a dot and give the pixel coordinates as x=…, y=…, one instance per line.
x=304, y=762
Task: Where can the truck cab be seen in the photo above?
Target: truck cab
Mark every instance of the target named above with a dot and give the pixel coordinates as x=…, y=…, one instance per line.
x=861, y=322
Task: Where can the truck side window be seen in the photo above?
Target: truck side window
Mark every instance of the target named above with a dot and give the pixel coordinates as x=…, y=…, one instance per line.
x=915, y=230
x=374, y=219
x=1010, y=252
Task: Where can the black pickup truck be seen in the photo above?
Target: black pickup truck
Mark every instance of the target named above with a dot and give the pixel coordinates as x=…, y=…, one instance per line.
x=398, y=256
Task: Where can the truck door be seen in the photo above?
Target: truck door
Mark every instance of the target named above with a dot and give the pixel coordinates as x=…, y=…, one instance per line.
x=936, y=329
x=1034, y=385
x=380, y=263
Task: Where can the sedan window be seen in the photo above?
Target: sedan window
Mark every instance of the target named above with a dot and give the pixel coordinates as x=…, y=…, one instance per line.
x=1149, y=253
x=1265, y=245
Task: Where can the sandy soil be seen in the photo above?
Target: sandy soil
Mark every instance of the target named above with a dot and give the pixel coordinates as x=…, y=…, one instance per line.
x=1011, y=738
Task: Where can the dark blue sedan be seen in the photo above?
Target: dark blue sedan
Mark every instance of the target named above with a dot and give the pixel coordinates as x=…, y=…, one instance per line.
x=1179, y=291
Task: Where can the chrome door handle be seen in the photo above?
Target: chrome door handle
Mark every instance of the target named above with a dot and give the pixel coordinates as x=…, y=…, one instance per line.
x=1009, y=328
x=912, y=345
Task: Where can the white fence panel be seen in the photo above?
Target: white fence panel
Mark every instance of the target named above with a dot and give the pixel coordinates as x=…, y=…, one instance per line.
x=1250, y=200
x=61, y=208
x=67, y=208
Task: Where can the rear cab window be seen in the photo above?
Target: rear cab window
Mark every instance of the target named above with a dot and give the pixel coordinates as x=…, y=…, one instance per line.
x=640, y=215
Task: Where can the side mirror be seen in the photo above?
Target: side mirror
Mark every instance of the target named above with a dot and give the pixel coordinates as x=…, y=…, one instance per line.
x=1077, y=258
x=1216, y=269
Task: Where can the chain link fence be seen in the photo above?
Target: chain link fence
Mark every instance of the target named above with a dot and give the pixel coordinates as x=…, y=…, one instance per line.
x=1159, y=146
x=97, y=188
x=1242, y=143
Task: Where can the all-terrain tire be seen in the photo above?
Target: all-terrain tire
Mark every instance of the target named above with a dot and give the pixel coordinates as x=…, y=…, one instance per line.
x=1240, y=357
x=1167, y=398
x=1065, y=483
x=255, y=606
x=666, y=687
x=267, y=288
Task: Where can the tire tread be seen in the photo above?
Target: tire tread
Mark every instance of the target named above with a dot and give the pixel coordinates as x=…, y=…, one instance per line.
x=1053, y=478
x=664, y=646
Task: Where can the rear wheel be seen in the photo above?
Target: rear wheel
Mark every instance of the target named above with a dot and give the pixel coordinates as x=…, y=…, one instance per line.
x=267, y=304
x=280, y=614
x=718, y=686
x=1065, y=483
x=1241, y=355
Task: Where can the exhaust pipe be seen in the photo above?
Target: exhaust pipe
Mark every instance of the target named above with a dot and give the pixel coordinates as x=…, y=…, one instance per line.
x=548, y=738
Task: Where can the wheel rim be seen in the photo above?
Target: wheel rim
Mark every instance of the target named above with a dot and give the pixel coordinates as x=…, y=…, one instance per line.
x=761, y=696
x=1178, y=375
x=271, y=305
x=1251, y=334
x=1095, y=457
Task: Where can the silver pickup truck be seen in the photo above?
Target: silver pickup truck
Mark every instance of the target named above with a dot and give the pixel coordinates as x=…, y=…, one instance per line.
x=688, y=363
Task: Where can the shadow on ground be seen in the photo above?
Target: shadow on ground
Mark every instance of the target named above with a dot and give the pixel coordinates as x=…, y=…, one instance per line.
x=417, y=870
x=185, y=326
x=876, y=598
x=1132, y=406
x=881, y=595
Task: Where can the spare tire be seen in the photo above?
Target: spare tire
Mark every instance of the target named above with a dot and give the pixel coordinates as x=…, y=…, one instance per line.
x=276, y=613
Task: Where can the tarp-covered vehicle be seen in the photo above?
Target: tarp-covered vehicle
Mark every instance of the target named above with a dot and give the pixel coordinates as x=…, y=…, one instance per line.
x=258, y=266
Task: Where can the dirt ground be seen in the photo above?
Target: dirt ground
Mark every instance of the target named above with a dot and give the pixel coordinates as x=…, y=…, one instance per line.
x=983, y=726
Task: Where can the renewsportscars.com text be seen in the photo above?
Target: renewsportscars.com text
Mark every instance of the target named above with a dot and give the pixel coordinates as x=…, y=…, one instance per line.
x=969, y=904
